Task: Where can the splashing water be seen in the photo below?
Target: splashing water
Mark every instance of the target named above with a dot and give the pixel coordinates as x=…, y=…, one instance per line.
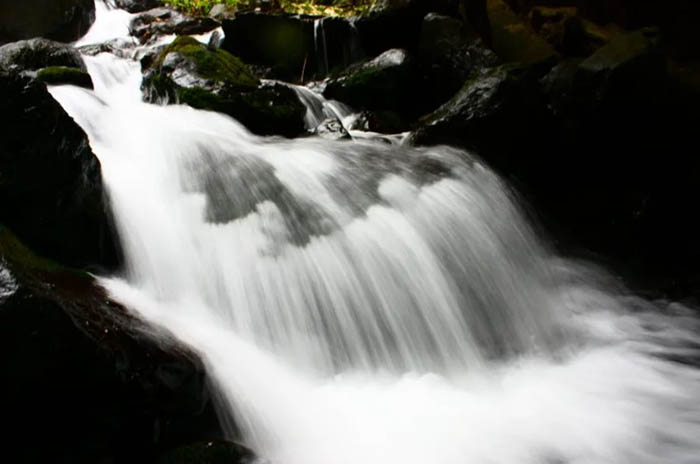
x=361, y=302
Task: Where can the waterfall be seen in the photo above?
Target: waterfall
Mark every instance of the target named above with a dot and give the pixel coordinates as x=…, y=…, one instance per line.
x=358, y=302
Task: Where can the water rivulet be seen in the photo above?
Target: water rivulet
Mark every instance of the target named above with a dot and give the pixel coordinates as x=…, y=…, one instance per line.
x=361, y=302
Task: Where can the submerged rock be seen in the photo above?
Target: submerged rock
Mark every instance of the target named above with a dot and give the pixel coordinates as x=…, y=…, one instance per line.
x=106, y=387
x=188, y=72
x=64, y=20
x=50, y=181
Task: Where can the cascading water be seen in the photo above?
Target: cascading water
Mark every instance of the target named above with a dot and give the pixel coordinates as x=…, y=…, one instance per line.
x=357, y=302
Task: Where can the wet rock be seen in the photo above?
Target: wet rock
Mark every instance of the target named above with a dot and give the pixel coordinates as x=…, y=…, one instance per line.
x=106, y=389
x=492, y=113
x=65, y=20
x=190, y=73
x=35, y=54
x=449, y=54
x=513, y=39
x=137, y=6
x=332, y=129
x=387, y=82
x=118, y=47
x=50, y=181
x=150, y=25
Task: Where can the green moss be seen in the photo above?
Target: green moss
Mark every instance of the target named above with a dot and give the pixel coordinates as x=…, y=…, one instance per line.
x=200, y=98
x=56, y=75
x=15, y=253
x=217, y=65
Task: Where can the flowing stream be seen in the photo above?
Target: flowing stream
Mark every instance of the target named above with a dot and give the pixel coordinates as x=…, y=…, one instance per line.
x=362, y=302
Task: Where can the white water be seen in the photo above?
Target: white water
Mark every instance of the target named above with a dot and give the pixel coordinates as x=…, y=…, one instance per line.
x=363, y=303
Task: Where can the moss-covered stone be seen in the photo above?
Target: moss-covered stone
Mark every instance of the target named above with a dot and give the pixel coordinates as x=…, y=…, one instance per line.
x=57, y=75
x=216, y=65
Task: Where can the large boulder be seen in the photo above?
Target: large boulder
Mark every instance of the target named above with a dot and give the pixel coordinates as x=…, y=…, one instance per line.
x=188, y=72
x=50, y=181
x=104, y=390
x=387, y=82
x=494, y=112
x=62, y=20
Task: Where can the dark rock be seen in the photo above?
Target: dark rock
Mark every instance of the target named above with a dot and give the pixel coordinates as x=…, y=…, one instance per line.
x=397, y=24
x=137, y=6
x=332, y=129
x=449, y=54
x=157, y=22
x=187, y=72
x=50, y=181
x=220, y=452
x=117, y=47
x=387, y=82
x=493, y=113
x=62, y=20
x=106, y=389
x=513, y=39
x=568, y=32
x=35, y=54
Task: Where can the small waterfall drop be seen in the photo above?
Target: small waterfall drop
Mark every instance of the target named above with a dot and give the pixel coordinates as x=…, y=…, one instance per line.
x=358, y=302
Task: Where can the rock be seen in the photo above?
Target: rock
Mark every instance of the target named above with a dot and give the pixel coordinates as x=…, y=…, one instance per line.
x=397, y=23
x=137, y=6
x=50, y=181
x=332, y=129
x=387, y=82
x=221, y=11
x=106, y=390
x=118, y=47
x=188, y=72
x=35, y=54
x=568, y=32
x=150, y=25
x=493, y=113
x=62, y=20
x=512, y=39
x=220, y=452
x=449, y=54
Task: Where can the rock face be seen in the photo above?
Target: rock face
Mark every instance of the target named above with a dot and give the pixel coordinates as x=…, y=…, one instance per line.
x=62, y=20
x=190, y=73
x=50, y=182
x=102, y=389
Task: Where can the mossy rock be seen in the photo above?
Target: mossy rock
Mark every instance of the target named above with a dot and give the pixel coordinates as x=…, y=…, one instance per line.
x=513, y=39
x=217, y=65
x=34, y=54
x=60, y=75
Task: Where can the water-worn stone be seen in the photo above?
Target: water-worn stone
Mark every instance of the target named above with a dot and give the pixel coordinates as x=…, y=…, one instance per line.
x=106, y=390
x=62, y=20
x=50, y=181
x=137, y=6
x=188, y=72
x=332, y=129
